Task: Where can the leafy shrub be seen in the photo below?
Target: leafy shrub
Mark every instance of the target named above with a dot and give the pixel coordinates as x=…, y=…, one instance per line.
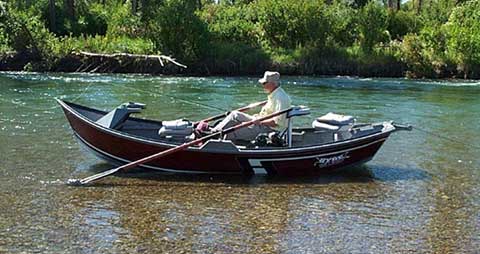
x=438, y=12
x=424, y=53
x=176, y=30
x=281, y=56
x=121, y=22
x=4, y=43
x=236, y=57
x=232, y=23
x=464, y=36
x=401, y=23
x=105, y=44
x=289, y=24
x=372, y=25
x=89, y=19
x=342, y=21
x=92, y=20
x=26, y=33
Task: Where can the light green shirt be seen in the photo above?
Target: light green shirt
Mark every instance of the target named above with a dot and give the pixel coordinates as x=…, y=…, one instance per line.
x=277, y=100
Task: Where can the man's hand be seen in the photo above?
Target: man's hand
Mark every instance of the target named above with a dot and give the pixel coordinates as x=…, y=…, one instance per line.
x=269, y=123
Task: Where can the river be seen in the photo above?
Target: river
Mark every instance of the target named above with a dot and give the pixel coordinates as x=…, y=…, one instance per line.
x=420, y=193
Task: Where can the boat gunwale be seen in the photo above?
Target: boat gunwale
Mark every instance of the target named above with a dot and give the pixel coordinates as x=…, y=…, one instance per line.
x=69, y=106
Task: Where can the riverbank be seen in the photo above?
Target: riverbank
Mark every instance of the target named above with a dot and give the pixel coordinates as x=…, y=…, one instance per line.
x=76, y=62
x=382, y=67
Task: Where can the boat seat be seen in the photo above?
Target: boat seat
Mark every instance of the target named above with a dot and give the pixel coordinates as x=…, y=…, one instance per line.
x=338, y=125
x=179, y=128
x=319, y=126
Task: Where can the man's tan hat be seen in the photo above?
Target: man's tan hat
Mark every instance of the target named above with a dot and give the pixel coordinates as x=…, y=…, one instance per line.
x=271, y=77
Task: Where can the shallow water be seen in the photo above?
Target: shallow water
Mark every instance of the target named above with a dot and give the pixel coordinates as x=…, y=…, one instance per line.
x=419, y=194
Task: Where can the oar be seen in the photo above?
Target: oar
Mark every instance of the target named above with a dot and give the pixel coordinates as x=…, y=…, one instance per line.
x=133, y=164
x=242, y=109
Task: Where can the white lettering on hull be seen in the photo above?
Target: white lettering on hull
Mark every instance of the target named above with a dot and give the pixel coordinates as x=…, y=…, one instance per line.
x=321, y=160
x=330, y=161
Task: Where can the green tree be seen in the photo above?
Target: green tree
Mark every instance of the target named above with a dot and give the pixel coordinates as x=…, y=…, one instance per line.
x=464, y=36
x=342, y=23
x=372, y=25
x=4, y=43
x=177, y=30
x=27, y=34
x=69, y=8
x=289, y=24
x=424, y=53
x=401, y=23
x=232, y=23
x=52, y=16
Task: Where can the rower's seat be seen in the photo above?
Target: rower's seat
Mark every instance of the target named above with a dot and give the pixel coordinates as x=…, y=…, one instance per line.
x=176, y=129
x=338, y=125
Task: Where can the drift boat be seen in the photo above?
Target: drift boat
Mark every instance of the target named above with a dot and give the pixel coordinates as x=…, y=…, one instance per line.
x=333, y=142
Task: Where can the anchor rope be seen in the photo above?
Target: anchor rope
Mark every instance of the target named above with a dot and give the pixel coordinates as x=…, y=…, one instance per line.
x=445, y=137
x=82, y=93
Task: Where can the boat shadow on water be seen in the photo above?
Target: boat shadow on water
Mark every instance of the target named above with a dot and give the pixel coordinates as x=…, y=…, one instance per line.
x=356, y=174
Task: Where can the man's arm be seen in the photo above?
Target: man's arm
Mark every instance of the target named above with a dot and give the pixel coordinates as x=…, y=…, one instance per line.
x=269, y=123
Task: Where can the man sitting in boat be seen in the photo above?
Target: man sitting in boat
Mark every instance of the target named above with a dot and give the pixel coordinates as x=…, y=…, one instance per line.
x=278, y=100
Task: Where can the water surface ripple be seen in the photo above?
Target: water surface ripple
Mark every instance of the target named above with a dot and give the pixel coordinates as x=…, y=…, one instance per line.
x=419, y=194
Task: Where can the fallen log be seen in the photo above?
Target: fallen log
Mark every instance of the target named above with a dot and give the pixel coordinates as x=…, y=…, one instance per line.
x=160, y=58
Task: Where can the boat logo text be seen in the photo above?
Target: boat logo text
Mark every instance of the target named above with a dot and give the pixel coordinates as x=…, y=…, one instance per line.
x=330, y=161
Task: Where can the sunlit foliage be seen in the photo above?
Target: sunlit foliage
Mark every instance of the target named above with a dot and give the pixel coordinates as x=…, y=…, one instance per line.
x=436, y=38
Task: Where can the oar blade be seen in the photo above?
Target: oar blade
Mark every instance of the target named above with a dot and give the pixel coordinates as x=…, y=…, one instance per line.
x=86, y=180
x=74, y=182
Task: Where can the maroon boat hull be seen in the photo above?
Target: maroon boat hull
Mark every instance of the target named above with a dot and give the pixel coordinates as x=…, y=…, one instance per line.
x=119, y=148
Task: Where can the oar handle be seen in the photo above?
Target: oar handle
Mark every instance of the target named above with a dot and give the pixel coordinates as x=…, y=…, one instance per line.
x=171, y=150
x=242, y=109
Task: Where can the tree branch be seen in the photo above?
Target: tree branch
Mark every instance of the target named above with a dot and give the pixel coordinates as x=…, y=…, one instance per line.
x=159, y=58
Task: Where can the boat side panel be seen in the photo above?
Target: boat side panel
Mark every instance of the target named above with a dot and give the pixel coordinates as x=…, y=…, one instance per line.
x=130, y=150
x=316, y=163
x=327, y=163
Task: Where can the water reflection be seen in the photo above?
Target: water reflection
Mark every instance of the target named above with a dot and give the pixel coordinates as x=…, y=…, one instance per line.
x=259, y=213
x=217, y=215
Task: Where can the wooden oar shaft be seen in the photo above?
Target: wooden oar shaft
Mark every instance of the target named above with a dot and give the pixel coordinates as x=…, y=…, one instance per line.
x=133, y=164
x=172, y=150
x=242, y=109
